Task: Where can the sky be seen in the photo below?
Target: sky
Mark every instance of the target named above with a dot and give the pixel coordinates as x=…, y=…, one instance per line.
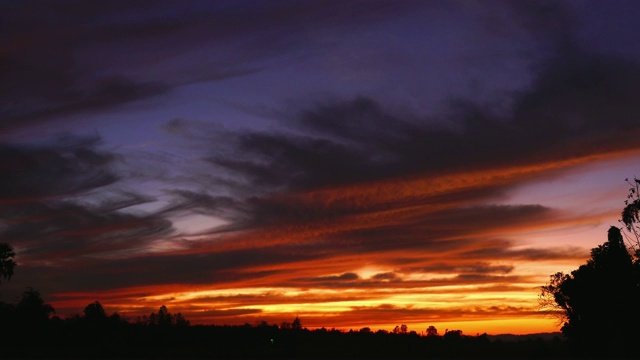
x=356, y=164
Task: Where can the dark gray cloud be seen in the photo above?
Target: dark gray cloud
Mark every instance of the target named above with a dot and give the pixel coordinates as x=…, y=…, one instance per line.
x=67, y=57
x=343, y=277
x=388, y=276
x=442, y=232
x=90, y=273
x=501, y=249
x=67, y=167
x=47, y=62
x=60, y=202
x=66, y=231
x=470, y=268
x=231, y=312
x=578, y=104
x=458, y=280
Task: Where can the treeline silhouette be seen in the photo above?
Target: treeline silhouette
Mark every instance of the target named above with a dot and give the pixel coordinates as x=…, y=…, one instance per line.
x=30, y=330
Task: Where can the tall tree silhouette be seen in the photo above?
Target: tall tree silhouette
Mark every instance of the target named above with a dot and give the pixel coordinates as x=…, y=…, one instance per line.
x=296, y=324
x=165, y=318
x=7, y=264
x=597, y=300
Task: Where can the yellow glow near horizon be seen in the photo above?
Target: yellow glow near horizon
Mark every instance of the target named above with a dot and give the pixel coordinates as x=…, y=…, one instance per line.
x=516, y=326
x=444, y=305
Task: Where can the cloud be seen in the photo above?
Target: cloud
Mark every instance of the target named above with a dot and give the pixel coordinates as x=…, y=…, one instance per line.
x=67, y=58
x=387, y=276
x=563, y=117
x=533, y=254
x=70, y=166
x=61, y=202
x=469, y=268
x=357, y=172
x=35, y=90
x=343, y=277
x=230, y=312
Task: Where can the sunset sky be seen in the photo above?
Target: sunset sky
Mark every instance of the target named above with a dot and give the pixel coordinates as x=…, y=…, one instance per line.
x=353, y=163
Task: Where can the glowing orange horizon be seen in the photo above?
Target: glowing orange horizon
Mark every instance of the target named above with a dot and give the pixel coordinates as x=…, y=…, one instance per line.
x=344, y=310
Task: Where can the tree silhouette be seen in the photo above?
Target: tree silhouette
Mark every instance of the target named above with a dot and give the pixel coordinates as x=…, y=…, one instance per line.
x=296, y=324
x=180, y=320
x=285, y=325
x=32, y=310
x=7, y=264
x=597, y=301
x=631, y=214
x=94, y=313
x=432, y=331
x=163, y=318
x=452, y=334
